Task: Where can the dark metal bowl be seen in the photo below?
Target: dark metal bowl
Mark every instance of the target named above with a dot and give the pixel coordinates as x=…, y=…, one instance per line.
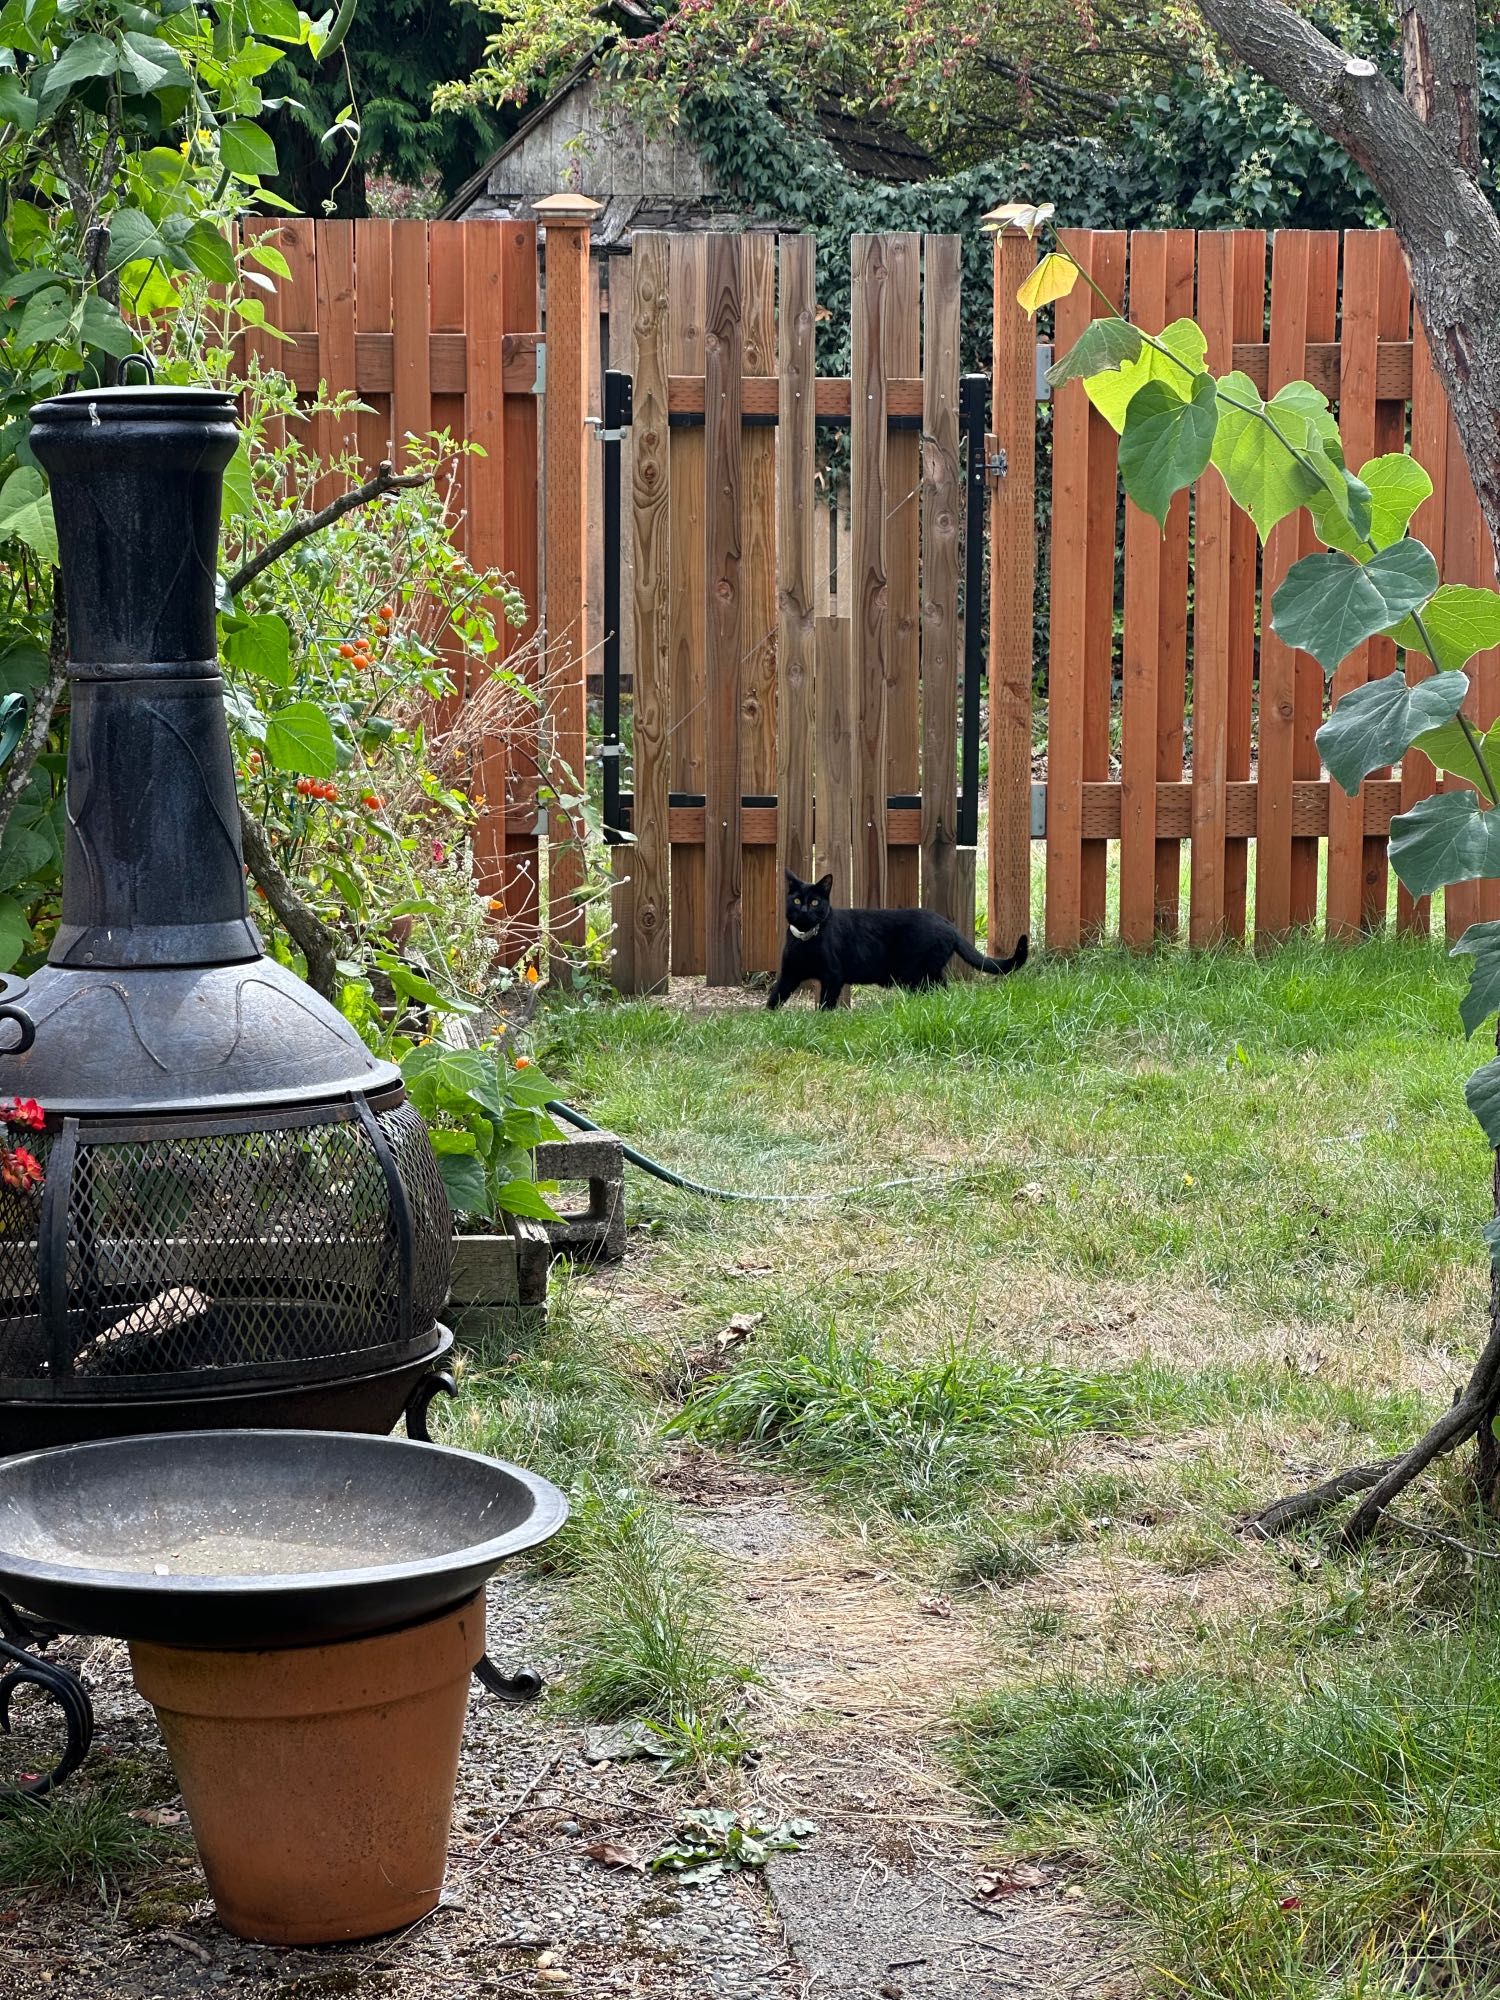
x=249, y=1538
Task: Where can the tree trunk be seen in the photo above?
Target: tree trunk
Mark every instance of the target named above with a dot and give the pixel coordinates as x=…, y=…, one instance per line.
x=1421, y=155
x=1423, y=173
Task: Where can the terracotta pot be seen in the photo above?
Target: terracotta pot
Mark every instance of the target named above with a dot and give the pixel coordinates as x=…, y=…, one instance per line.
x=319, y=1779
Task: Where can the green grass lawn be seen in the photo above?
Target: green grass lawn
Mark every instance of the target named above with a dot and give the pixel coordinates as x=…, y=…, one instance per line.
x=1186, y=1231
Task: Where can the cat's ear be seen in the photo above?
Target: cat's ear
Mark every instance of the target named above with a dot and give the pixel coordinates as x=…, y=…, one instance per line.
x=825, y=886
x=795, y=881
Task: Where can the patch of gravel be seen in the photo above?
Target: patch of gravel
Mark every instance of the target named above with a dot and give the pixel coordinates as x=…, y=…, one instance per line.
x=525, y=1910
x=870, y=1933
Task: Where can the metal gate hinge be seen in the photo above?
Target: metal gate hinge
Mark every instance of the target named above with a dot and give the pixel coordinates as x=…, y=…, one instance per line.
x=995, y=463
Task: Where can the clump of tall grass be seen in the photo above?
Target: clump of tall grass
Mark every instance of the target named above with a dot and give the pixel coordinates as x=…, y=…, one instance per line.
x=1329, y=1831
x=86, y=1840
x=648, y=1612
x=919, y=1438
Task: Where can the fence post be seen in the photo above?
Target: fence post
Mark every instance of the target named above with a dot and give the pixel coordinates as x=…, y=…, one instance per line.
x=1012, y=594
x=566, y=218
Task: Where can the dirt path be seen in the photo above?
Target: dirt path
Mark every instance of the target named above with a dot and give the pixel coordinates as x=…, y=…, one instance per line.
x=859, y=1679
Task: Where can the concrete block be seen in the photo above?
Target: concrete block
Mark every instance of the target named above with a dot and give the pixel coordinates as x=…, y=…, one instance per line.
x=598, y=1233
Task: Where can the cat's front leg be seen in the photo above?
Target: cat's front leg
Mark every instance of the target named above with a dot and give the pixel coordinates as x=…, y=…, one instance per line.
x=828, y=996
x=779, y=994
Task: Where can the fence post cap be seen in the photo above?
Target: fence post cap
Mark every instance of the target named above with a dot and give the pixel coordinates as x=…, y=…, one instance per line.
x=566, y=208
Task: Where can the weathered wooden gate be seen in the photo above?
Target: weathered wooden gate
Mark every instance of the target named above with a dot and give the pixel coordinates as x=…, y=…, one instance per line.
x=795, y=648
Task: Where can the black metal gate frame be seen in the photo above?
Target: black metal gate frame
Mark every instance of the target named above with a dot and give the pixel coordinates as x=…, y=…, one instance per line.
x=974, y=396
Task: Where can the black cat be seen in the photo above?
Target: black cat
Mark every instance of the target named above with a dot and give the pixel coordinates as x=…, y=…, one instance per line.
x=840, y=948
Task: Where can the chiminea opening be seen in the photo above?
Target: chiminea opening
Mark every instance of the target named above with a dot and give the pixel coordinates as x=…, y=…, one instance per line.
x=242, y=1220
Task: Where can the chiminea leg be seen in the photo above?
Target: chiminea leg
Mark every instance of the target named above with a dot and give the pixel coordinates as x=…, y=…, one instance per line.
x=58, y=1682
x=514, y=1689
x=437, y=1382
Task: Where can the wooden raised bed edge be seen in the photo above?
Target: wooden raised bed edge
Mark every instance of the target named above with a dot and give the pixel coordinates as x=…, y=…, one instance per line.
x=504, y=1273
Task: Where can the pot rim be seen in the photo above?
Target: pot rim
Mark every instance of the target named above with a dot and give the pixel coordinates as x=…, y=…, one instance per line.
x=549, y=1511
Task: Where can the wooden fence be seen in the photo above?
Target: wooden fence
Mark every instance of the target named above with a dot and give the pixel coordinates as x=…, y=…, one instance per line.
x=438, y=327
x=795, y=658
x=797, y=654
x=1173, y=716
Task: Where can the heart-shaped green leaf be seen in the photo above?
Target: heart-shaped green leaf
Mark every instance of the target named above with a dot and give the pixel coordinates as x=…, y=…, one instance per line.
x=1460, y=620
x=1397, y=486
x=26, y=512
x=1113, y=392
x=1103, y=344
x=1263, y=477
x=1450, y=749
x=1166, y=442
x=262, y=649
x=1328, y=604
x=1442, y=839
x=1481, y=944
x=1372, y=724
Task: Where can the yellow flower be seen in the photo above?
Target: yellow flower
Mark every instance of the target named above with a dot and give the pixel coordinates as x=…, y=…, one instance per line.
x=532, y=975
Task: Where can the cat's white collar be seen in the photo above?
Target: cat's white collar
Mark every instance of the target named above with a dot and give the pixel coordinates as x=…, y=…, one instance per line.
x=803, y=937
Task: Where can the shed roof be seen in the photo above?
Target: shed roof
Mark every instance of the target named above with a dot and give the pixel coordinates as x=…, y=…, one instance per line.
x=866, y=147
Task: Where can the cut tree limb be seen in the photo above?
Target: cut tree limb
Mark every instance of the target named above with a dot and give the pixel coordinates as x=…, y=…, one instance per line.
x=1314, y=1500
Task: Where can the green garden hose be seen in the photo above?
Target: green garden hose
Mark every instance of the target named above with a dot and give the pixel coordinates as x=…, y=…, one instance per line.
x=672, y=1179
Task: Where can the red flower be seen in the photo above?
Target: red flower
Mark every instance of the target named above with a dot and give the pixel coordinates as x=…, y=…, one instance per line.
x=20, y=1169
x=439, y=853
x=25, y=1111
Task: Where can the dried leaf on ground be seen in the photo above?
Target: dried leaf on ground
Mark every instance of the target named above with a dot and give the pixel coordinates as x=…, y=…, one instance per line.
x=936, y=1607
x=1012, y=1878
x=611, y=1854
x=159, y=1816
x=739, y=1330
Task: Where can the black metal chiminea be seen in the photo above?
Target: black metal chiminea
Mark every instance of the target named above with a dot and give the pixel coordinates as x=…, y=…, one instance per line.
x=242, y=1220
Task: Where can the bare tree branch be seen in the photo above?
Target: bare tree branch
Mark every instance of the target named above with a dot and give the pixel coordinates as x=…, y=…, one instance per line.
x=384, y=479
x=317, y=941
x=1297, y=1508
x=23, y=763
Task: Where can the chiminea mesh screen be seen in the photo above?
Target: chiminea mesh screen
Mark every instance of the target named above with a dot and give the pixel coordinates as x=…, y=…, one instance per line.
x=164, y=1252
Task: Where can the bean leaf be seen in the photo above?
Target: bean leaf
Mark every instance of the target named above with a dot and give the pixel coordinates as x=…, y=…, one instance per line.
x=245, y=150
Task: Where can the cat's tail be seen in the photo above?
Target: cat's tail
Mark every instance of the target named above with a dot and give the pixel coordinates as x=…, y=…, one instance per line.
x=972, y=956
